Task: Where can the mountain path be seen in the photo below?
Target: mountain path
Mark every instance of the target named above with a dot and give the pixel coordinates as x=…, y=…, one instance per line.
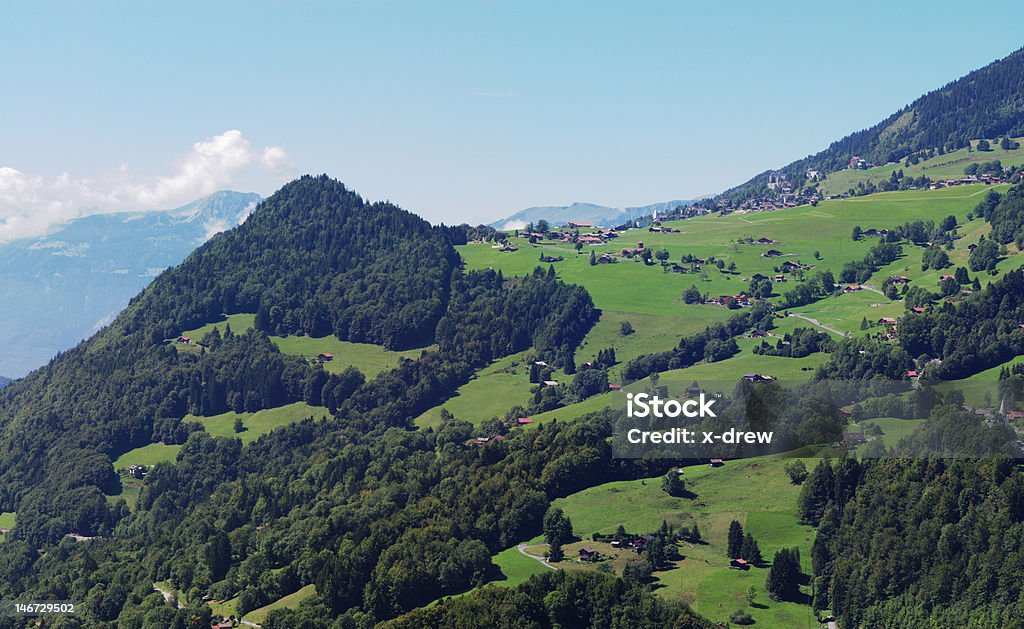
x=818, y=323
x=522, y=549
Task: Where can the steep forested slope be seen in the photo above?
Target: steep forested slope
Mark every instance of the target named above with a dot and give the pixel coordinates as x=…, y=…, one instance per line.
x=380, y=518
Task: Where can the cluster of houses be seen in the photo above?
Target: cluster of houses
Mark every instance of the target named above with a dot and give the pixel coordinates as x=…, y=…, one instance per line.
x=786, y=267
x=632, y=252
x=570, y=236
x=693, y=266
x=853, y=439
x=764, y=204
x=137, y=471
x=966, y=181
x=859, y=163
x=636, y=543
x=742, y=300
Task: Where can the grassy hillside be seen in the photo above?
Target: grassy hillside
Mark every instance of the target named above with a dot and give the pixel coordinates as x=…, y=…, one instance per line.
x=702, y=578
x=367, y=358
x=651, y=299
x=149, y=454
x=6, y=522
x=494, y=390
x=941, y=167
x=257, y=616
x=259, y=423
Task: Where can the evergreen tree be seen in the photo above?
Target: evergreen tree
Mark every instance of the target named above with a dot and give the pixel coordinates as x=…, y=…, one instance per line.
x=735, y=538
x=673, y=485
x=817, y=491
x=750, y=550
x=783, y=581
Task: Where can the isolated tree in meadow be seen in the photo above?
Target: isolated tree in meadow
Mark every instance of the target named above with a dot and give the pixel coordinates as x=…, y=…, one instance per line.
x=593, y=259
x=626, y=328
x=783, y=581
x=557, y=527
x=662, y=255
x=691, y=295
x=857, y=232
x=797, y=471
x=735, y=539
x=579, y=246
x=673, y=485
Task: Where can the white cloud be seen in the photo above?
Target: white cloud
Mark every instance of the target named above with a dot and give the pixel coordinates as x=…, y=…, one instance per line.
x=31, y=205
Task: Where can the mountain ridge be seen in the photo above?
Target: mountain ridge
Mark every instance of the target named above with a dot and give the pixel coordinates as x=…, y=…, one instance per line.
x=599, y=215
x=74, y=279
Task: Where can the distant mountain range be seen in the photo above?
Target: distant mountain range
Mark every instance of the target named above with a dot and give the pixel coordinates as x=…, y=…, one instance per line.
x=61, y=288
x=4, y=381
x=599, y=215
x=986, y=103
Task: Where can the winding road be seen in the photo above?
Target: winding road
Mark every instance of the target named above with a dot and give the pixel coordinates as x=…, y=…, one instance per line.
x=522, y=549
x=168, y=596
x=818, y=323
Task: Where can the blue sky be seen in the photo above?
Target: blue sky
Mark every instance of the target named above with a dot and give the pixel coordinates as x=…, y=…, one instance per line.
x=459, y=111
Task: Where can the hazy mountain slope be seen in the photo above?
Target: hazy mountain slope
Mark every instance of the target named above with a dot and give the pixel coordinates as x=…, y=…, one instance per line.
x=599, y=215
x=61, y=288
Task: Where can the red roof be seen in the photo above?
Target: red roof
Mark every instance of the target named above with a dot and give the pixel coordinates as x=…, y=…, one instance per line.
x=525, y=420
x=911, y=373
x=918, y=310
x=614, y=387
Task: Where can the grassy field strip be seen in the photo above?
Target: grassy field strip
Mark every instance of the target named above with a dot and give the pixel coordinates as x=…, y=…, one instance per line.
x=7, y=519
x=367, y=358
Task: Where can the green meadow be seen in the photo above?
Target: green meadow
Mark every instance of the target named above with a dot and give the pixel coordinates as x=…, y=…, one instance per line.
x=492, y=391
x=254, y=426
x=941, y=167
x=367, y=358
x=259, y=423
x=982, y=388
x=893, y=428
x=702, y=577
x=149, y=454
x=651, y=299
x=6, y=522
x=257, y=616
